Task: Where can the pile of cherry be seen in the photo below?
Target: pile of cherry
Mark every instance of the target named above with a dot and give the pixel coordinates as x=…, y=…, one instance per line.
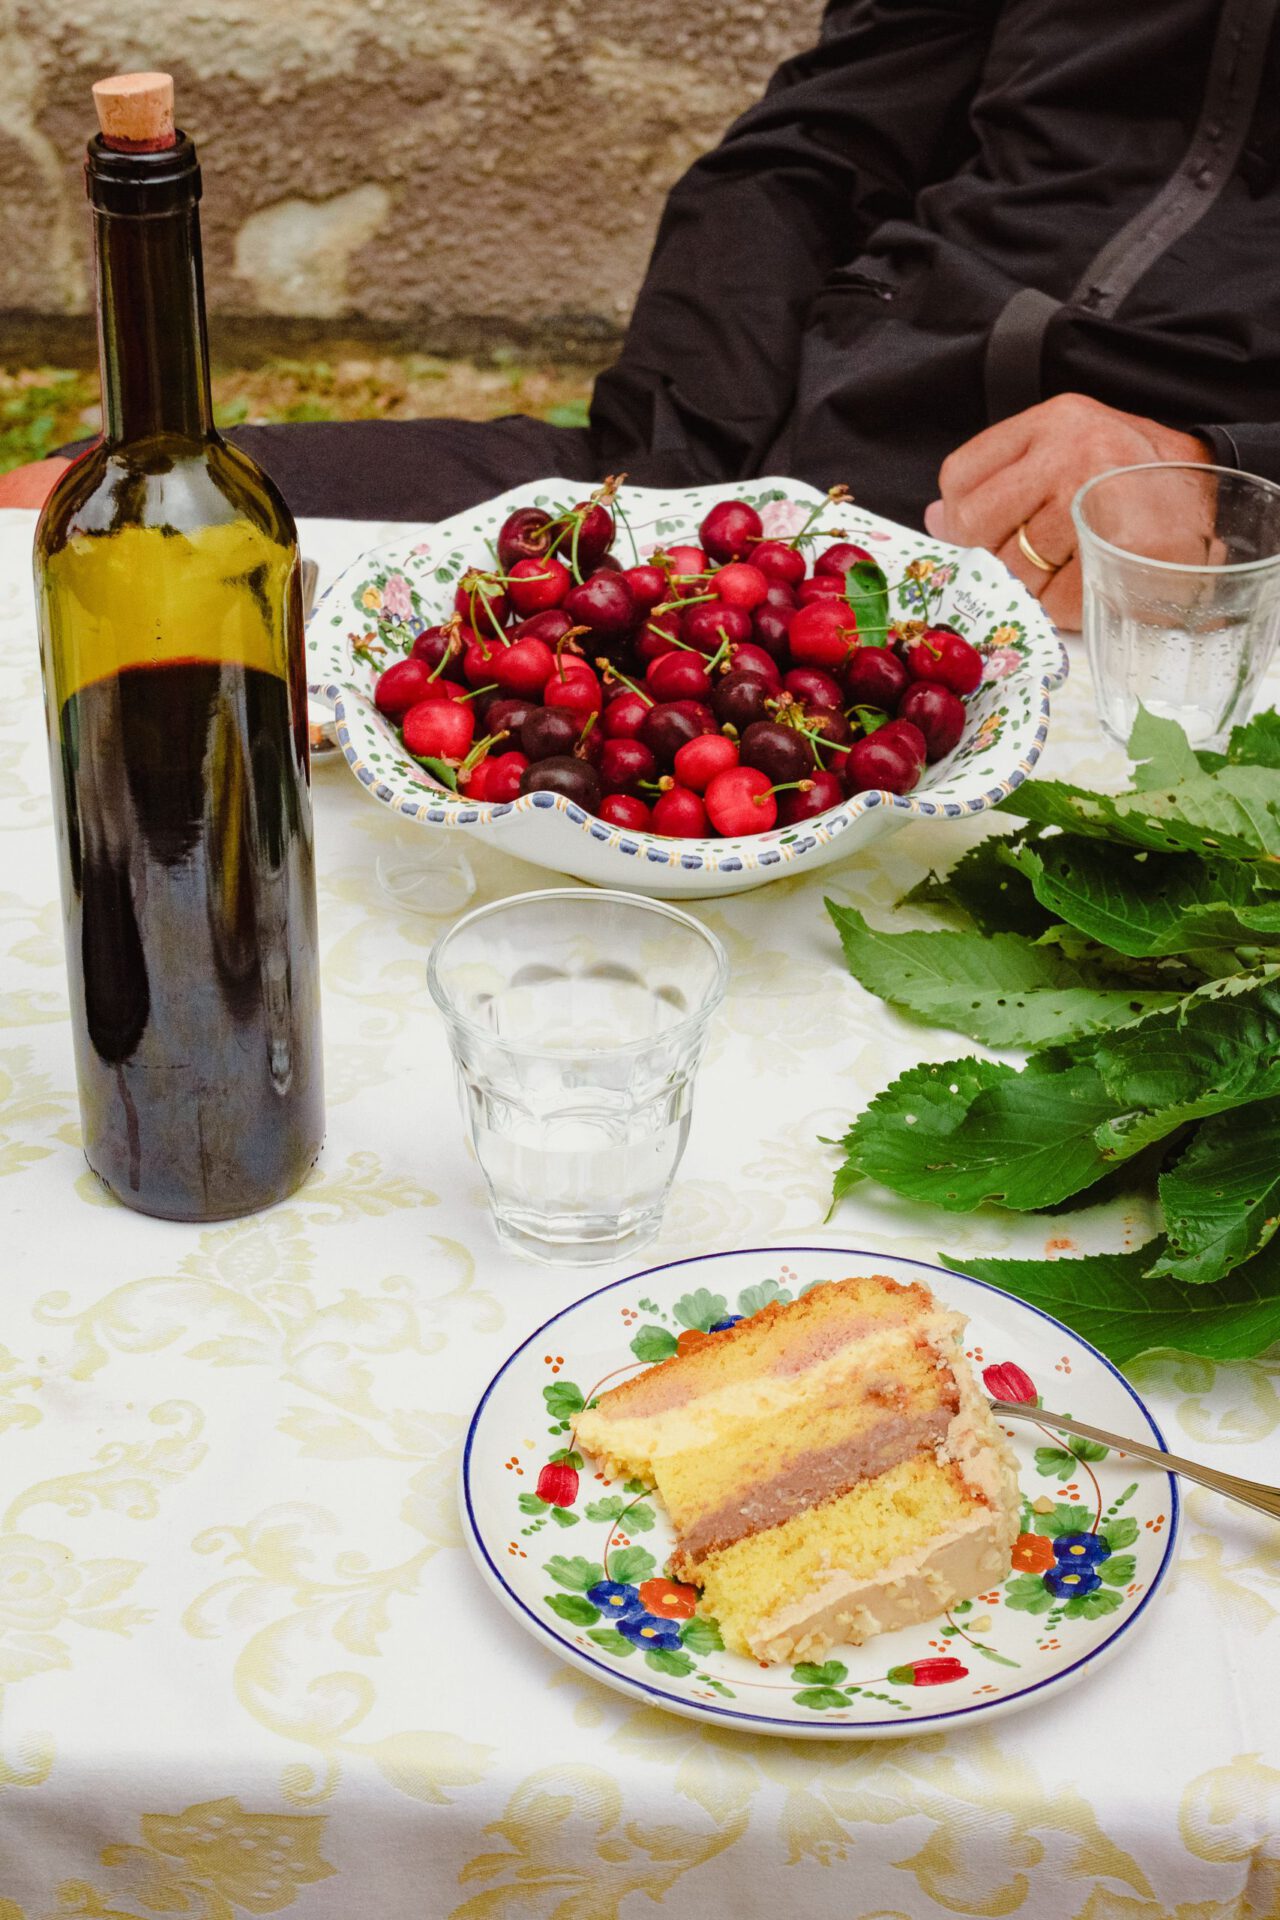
x=714, y=689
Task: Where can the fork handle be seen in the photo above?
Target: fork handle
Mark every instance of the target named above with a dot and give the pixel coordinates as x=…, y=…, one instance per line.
x=1253, y=1493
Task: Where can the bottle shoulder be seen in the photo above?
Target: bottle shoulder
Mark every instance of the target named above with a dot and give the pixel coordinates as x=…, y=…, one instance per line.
x=170, y=485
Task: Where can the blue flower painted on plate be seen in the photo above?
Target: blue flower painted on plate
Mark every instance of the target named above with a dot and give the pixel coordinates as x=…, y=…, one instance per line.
x=1080, y=1549
x=645, y=1630
x=616, y=1600
x=1064, y=1583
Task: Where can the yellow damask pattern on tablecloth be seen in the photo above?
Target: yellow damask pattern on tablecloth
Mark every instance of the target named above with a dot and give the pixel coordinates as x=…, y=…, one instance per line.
x=246, y=1665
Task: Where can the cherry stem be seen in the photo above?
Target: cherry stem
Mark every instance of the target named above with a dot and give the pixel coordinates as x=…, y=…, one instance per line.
x=783, y=786
x=615, y=673
x=570, y=633
x=478, y=752
x=693, y=600
x=488, y=687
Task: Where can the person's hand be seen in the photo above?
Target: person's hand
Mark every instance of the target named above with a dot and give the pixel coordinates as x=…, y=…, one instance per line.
x=30, y=486
x=1023, y=474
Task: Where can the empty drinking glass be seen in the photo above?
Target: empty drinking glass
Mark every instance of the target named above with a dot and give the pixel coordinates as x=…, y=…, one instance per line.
x=577, y=1020
x=1181, y=571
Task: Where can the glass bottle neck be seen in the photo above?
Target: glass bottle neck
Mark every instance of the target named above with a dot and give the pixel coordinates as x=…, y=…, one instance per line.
x=152, y=345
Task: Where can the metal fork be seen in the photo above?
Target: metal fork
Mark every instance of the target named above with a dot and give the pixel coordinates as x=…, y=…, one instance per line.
x=1252, y=1492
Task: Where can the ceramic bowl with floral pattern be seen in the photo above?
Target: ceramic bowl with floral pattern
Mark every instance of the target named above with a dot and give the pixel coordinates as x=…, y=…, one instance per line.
x=364, y=619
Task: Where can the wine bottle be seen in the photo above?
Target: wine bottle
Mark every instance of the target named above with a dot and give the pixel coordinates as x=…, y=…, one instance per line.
x=167, y=581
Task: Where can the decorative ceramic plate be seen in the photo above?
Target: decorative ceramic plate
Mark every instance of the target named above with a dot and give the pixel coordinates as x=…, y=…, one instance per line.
x=363, y=622
x=580, y=1562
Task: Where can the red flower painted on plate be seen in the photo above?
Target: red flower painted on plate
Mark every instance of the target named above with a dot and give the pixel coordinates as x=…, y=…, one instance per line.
x=1007, y=1381
x=669, y=1599
x=1032, y=1553
x=558, y=1484
x=927, y=1673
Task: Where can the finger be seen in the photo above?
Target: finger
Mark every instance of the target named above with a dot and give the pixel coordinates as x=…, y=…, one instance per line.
x=1061, y=598
x=990, y=515
x=989, y=451
x=935, y=520
x=1032, y=577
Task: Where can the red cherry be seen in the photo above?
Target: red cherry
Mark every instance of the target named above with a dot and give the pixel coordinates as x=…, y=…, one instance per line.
x=708, y=625
x=823, y=586
x=522, y=535
x=649, y=586
x=506, y=714
x=823, y=633
x=907, y=738
x=875, y=677
x=771, y=629
x=624, y=716
x=550, y=626
x=441, y=689
x=739, y=584
x=667, y=727
x=439, y=729
x=433, y=644
x=817, y=794
x=401, y=686
x=730, y=529
x=814, y=688
x=839, y=558
x=659, y=634
x=678, y=676
x=688, y=562
x=946, y=659
x=603, y=604
x=778, y=561
x=577, y=692
x=505, y=773
x=523, y=667
x=680, y=813
x=874, y=763
x=478, y=661
x=699, y=761
x=625, y=763
x=748, y=658
x=535, y=585
x=594, y=535
x=741, y=801
x=626, y=810
x=476, y=783
x=481, y=602
x=938, y=713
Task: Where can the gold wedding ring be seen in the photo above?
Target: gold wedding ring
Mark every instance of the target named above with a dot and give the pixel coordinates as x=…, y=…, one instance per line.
x=1036, y=559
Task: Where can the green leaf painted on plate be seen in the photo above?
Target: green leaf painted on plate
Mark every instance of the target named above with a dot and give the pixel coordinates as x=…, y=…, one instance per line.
x=701, y=1634
x=829, y=1674
x=639, y=1519
x=573, y=1608
x=1120, y=1532
x=607, y=1509
x=755, y=1299
x=563, y=1399
x=820, y=1698
x=1027, y=1593
x=576, y=1574
x=609, y=1640
x=1092, y=1606
x=653, y=1343
x=530, y=1503
x=701, y=1310
x=631, y=1564
x=563, y=1517
x=1065, y=1518
x=1055, y=1461
x=664, y=1660
x=1119, y=1570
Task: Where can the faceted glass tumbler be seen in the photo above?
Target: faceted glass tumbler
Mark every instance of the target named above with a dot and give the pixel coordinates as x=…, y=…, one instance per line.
x=577, y=1020
x=1181, y=578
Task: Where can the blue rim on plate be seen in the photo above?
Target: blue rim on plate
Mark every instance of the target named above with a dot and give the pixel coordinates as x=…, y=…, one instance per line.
x=623, y=1682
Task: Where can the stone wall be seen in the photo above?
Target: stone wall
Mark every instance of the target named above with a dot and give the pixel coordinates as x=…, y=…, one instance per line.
x=412, y=163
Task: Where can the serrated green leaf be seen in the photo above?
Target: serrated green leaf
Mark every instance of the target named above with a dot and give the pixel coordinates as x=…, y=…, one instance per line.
x=829, y=1674
x=1221, y=1198
x=1257, y=742
x=653, y=1343
x=576, y=1574
x=563, y=1399
x=702, y=1635
x=820, y=1698
x=1092, y=1606
x=1161, y=752
x=701, y=1309
x=1111, y=1300
x=1207, y=816
x=964, y=1133
x=1119, y=1570
x=987, y=887
x=1147, y=905
x=664, y=1660
x=998, y=988
x=1120, y=1532
x=631, y=1565
x=573, y=1608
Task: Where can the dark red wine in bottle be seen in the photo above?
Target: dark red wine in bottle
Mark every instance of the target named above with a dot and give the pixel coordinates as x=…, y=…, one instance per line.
x=171, y=642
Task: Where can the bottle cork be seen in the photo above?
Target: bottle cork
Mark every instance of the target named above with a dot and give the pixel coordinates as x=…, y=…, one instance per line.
x=135, y=111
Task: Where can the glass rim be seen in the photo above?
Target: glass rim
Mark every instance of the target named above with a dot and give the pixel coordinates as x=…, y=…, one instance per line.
x=605, y=895
x=1229, y=568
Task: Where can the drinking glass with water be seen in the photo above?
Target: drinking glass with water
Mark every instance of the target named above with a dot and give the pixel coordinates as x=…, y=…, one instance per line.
x=577, y=1021
x=1181, y=572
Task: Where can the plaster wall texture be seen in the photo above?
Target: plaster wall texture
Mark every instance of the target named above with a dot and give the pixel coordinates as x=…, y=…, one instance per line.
x=385, y=160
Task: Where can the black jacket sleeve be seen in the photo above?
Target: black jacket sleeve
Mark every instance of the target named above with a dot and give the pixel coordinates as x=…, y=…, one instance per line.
x=1252, y=448
x=845, y=137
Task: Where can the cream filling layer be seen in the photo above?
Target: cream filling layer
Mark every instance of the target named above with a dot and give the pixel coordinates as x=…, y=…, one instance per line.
x=845, y=1608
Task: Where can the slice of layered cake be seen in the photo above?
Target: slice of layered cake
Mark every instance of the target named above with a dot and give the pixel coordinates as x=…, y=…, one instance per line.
x=830, y=1467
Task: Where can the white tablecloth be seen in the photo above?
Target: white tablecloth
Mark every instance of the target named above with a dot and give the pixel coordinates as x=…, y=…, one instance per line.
x=247, y=1664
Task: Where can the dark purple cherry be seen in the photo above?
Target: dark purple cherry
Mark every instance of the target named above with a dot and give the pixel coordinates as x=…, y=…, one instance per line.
x=563, y=774
x=433, y=643
x=549, y=732
x=594, y=538
x=668, y=727
x=523, y=535
x=779, y=751
x=739, y=699
x=624, y=763
x=604, y=603
x=730, y=530
x=769, y=628
x=814, y=688
x=875, y=677
x=505, y=712
x=938, y=713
